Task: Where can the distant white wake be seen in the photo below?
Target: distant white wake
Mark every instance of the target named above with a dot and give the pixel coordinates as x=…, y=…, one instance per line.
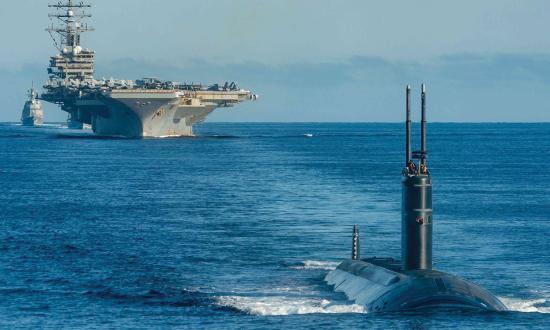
x=270, y=306
x=313, y=264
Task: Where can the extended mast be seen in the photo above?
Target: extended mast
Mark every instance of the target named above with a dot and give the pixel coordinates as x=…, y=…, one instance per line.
x=416, y=213
x=70, y=15
x=73, y=62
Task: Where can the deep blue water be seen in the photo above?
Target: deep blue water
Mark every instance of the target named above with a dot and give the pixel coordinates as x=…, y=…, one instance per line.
x=237, y=227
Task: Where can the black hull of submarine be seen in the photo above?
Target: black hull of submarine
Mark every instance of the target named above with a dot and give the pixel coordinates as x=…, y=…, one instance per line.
x=380, y=285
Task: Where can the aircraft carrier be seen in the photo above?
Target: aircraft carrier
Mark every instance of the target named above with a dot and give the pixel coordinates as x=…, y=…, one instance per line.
x=147, y=107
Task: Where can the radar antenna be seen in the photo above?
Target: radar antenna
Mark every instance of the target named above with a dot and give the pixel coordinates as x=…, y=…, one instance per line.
x=72, y=62
x=68, y=15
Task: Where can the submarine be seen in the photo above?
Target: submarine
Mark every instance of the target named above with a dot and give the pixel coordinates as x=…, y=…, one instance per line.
x=389, y=285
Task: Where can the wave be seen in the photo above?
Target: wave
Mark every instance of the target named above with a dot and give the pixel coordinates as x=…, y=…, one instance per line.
x=526, y=305
x=314, y=264
x=84, y=135
x=43, y=125
x=152, y=297
x=280, y=305
x=15, y=136
x=52, y=126
x=277, y=306
x=167, y=136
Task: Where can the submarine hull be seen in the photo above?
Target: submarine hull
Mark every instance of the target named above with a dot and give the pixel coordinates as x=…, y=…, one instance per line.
x=379, y=285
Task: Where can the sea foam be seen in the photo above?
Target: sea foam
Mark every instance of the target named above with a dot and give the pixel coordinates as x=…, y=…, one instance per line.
x=277, y=305
x=526, y=305
x=314, y=264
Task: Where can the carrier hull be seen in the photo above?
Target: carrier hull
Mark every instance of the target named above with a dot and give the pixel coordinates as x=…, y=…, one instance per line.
x=149, y=113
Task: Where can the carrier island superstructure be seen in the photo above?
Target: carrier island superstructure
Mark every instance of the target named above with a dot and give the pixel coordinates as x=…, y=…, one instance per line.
x=147, y=107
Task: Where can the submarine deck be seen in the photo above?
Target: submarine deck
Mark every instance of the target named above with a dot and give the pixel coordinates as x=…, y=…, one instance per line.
x=380, y=284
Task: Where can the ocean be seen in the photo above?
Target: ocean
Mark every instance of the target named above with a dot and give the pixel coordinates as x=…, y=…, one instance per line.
x=237, y=227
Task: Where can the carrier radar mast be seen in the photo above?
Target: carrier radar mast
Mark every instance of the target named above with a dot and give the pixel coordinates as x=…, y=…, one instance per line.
x=73, y=65
x=66, y=28
x=70, y=14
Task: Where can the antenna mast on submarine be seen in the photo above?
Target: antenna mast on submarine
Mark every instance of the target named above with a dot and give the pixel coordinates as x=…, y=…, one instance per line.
x=355, y=253
x=416, y=214
x=408, y=126
x=423, y=152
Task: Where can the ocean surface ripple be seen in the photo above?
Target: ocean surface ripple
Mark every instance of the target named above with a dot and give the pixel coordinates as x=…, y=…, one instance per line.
x=237, y=227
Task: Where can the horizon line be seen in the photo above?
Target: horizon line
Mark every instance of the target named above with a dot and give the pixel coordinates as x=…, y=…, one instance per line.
x=334, y=122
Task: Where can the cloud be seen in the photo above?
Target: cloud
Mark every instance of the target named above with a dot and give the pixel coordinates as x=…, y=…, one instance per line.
x=503, y=68
x=462, y=87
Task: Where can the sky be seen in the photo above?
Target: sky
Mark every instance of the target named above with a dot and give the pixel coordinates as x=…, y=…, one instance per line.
x=310, y=60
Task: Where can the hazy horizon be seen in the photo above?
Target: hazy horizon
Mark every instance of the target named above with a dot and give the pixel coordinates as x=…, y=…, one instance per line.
x=328, y=62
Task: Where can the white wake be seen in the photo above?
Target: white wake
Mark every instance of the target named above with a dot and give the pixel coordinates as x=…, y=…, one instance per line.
x=526, y=305
x=281, y=305
x=314, y=264
x=271, y=306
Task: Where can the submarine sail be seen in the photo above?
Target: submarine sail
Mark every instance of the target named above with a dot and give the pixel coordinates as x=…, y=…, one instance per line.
x=387, y=284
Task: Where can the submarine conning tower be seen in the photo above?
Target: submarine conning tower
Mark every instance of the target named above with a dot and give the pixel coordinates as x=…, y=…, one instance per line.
x=386, y=284
x=416, y=206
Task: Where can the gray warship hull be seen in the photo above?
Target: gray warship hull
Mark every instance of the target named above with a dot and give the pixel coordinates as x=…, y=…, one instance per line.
x=31, y=121
x=32, y=111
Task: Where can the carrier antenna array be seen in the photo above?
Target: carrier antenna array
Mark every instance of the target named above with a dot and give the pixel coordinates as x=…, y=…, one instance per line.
x=69, y=27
